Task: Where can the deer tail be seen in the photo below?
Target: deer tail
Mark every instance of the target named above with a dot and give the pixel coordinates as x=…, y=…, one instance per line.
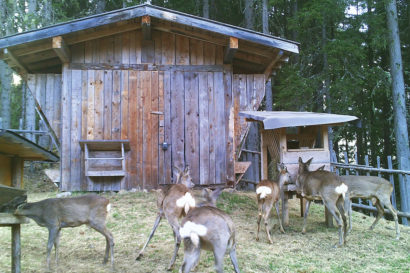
x=193, y=232
x=263, y=191
x=342, y=189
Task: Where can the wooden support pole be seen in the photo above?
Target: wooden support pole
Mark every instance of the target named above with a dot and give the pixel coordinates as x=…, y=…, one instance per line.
x=61, y=49
x=264, y=157
x=146, y=27
x=272, y=64
x=15, y=249
x=230, y=50
x=17, y=172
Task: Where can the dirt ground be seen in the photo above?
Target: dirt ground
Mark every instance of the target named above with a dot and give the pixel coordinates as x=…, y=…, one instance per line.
x=133, y=214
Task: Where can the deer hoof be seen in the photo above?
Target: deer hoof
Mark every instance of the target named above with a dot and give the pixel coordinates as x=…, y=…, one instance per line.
x=139, y=257
x=282, y=230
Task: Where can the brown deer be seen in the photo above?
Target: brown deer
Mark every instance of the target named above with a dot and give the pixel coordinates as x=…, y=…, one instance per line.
x=371, y=187
x=267, y=194
x=173, y=203
x=325, y=186
x=207, y=227
x=58, y=213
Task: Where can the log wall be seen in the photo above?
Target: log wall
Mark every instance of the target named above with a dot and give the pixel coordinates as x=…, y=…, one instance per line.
x=170, y=89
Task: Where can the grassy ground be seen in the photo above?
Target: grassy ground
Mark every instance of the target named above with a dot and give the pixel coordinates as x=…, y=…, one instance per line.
x=133, y=214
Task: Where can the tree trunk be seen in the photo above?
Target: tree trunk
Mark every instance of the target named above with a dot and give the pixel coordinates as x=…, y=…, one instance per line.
x=249, y=14
x=5, y=81
x=32, y=7
x=100, y=8
x=265, y=17
x=399, y=102
x=205, y=9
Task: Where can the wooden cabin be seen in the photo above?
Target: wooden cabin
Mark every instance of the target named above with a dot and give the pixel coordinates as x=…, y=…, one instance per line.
x=142, y=89
x=14, y=150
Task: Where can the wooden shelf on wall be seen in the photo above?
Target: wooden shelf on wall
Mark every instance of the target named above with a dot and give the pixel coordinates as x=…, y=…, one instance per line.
x=106, y=160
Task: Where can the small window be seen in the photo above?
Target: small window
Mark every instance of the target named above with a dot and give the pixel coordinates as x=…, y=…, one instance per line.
x=304, y=138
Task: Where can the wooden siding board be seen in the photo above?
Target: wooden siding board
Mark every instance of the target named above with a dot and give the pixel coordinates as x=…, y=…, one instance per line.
x=139, y=129
x=90, y=105
x=107, y=112
x=181, y=50
x=157, y=37
x=219, y=55
x=147, y=133
x=135, y=42
x=167, y=127
x=88, y=52
x=220, y=150
x=192, y=124
x=147, y=51
x=116, y=105
x=125, y=55
x=109, y=49
x=212, y=127
x=134, y=171
x=154, y=130
x=75, y=153
x=57, y=101
x=203, y=128
x=168, y=52
x=77, y=53
x=99, y=105
x=196, y=52
x=84, y=125
x=229, y=125
x=209, y=54
x=118, y=48
x=66, y=126
x=161, y=129
x=125, y=123
x=177, y=119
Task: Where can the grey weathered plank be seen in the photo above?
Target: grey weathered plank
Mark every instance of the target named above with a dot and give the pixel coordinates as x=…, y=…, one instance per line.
x=203, y=110
x=192, y=147
x=133, y=112
x=229, y=125
x=116, y=106
x=168, y=51
x=167, y=127
x=148, y=67
x=84, y=125
x=154, y=129
x=107, y=110
x=75, y=153
x=212, y=127
x=146, y=129
x=66, y=128
x=177, y=119
x=220, y=137
x=181, y=50
x=161, y=130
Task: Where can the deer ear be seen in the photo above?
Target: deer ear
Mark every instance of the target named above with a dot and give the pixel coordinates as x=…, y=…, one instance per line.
x=309, y=161
x=176, y=167
x=186, y=171
x=300, y=160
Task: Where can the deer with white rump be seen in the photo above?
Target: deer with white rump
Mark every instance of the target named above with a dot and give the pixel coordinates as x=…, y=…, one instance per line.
x=207, y=227
x=371, y=187
x=325, y=186
x=58, y=213
x=267, y=194
x=173, y=203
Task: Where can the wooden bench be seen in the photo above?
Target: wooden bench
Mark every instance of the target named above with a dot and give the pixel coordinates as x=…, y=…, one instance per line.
x=105, y=157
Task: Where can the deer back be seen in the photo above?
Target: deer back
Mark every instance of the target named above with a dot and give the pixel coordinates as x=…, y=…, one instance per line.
x=367, y=186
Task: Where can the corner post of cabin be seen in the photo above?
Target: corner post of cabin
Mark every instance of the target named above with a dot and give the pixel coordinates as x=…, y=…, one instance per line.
x=15, y=249
x=328, y=215
x=264, y=155
x=17, y=172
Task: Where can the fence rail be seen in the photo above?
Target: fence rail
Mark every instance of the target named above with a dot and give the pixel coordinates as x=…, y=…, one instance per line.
x=396, y=178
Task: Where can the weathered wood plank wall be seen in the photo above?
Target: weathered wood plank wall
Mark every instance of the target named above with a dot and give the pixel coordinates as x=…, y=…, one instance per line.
x=46, y=88
x=188, y=103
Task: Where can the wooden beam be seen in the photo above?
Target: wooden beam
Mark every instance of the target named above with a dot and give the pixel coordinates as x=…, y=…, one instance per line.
x=230, y=50
x=15, y=62
x=272, y=64
x=146, y=27
x=61, y=49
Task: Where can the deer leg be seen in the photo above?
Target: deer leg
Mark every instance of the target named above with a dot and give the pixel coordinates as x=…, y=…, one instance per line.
x=380, y=212
x=332, y=209
x=349, y=209
x=390, y=207
x=109, y=246
x=280, y=221
x=56, y=245
x=52, y=234
x=191, y=256
x=259, y=221
x=342, y=204
x=266, y=220
x=219, y=253
x=157, y=221
x=175, y=227
x=234, y=260
x=305, y=215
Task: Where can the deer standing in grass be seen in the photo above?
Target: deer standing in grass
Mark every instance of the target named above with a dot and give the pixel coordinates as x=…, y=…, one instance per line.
x=371, y=187
x=267, y=194
x=325, y=186
x=58, y=213
x=173, y=203
x=207, y=227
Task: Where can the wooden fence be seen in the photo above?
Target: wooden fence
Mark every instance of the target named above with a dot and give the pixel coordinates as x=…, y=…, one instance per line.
x=398, y=178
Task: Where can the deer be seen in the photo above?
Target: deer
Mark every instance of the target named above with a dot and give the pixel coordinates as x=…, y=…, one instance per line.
x=328, y=187
x=267, y=195
x=209, y=228
x=58, y=213
x=173, y=203
x=371, y=187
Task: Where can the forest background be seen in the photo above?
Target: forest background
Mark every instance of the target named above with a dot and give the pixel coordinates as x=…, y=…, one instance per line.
x=343, y=66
